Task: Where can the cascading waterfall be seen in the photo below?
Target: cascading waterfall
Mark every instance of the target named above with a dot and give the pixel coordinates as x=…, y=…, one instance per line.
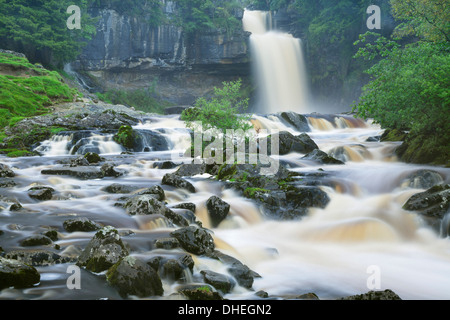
x=279, y=66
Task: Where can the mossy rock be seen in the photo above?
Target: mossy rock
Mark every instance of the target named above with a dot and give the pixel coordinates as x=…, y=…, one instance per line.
x=16, y=274
x=126, y=137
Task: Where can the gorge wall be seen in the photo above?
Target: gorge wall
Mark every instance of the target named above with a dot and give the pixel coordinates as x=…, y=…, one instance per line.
x=129, y=52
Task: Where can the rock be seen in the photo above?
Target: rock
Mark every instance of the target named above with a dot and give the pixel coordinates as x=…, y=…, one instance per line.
x=188, y=206
x=374, y=295
x=194, y=240
x=219, y=281
x=127, y=137
x=289, y=143
x=103, y=251
x=16, y=274
x=243, y=274
x=167, y=243
x=15, y=207
x=172, y=270
x=144, y=205
x=131, y=276
x=107, y=170
x=393, y=135
x=176, y=181
x=36, y=240
x=37, y=257
x=200, y=292
x=217, y=210
x=295, y=120
x=432, y=205
x=7, y=183
x=191, y=169
x=79, y=162
x=6, y=172
x=155, y=191
x=321, y=157
x=83, y=173
x=41, y=193
x=147, y=204
x=164, y=165
x=120, y=188
x=423, y=179
x=81, y=224
x=92, y=157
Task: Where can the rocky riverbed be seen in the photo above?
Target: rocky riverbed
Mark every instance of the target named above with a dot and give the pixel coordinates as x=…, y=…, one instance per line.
x=140, y=223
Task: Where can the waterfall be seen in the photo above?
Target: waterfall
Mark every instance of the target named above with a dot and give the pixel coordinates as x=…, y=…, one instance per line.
x=278, y=64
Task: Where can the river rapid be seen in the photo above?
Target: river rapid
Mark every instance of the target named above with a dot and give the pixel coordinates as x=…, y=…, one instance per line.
x=333, y=252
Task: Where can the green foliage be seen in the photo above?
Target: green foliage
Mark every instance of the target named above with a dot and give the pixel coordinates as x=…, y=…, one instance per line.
x=200, y=15
x=126, y=137
x=39, y=29
x=428, y=19
x=409, y=87
x=26, y=95
x=222, y=111
x=152, y=10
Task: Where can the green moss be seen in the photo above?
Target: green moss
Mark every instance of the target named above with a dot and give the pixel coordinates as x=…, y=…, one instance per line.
x=126, y=137
x=252, y=193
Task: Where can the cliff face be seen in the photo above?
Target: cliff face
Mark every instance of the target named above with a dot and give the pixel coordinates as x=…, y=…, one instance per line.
x=128, y=52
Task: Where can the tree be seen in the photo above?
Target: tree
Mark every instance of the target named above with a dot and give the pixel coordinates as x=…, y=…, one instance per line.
x=38, y=29
x=409, y=87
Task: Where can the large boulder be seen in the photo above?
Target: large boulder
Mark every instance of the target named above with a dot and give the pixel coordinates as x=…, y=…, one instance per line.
x=289, y=143
x=194, y=240
x=217, y=210
x=17, y=274
x=432, y=205
x=131, y=276
x=174, y=180
x=295, y=120
x=103, y=251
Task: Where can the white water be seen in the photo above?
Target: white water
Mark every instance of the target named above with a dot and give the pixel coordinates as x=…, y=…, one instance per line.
x=328, y=252
x=279, y=66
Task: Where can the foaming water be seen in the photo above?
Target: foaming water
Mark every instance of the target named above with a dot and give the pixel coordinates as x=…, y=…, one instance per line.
x=328, y=252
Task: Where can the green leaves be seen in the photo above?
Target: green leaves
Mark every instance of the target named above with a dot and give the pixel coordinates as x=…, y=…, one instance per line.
x=222, y=111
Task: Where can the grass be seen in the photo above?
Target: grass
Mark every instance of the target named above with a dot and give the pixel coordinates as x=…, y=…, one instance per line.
x=28, y=90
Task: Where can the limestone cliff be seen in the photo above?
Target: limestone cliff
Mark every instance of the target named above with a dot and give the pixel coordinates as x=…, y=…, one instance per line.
x=130, y=52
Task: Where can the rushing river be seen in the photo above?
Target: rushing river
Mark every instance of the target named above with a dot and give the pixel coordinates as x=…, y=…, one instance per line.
x=331, y=252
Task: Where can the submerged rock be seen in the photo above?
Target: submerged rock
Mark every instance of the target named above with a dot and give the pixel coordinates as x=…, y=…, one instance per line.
x=131, y=276
x=423, y=179
x=16, y=274
x=103, y=251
